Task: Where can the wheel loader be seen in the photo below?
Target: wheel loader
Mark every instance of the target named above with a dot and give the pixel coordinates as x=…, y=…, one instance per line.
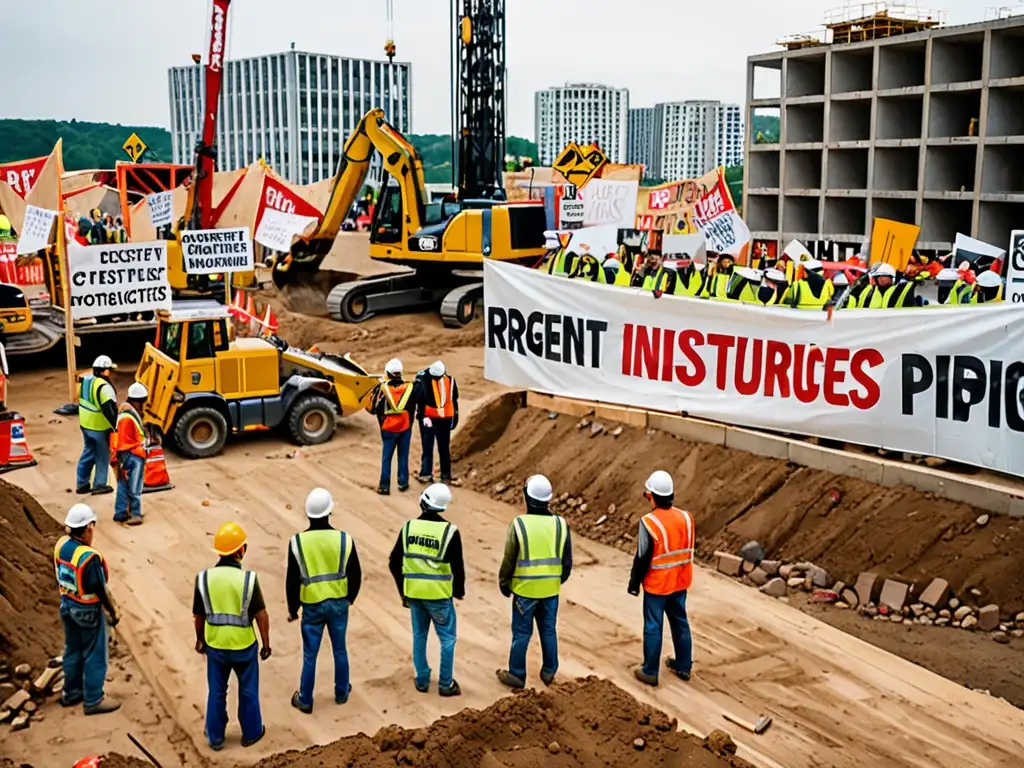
x=204, y=387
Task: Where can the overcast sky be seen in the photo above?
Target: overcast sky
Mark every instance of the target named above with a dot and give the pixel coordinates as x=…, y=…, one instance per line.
x=107, y=60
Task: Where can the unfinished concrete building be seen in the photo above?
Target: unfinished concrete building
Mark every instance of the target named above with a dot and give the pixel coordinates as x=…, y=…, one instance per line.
x=913, y=121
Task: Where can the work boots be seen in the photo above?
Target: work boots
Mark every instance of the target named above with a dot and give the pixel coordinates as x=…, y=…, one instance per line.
x=106, y=704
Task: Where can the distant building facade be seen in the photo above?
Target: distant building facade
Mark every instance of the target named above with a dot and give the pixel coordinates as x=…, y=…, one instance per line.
x=641, y=137
x=689, y=138
x=585, y=113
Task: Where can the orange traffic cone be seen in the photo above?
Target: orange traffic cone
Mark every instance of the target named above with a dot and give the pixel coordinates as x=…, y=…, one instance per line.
x=269, y=322
x=14, y=450
x=157, y=478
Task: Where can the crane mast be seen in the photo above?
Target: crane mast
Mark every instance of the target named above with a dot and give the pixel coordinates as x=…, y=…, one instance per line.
x=206, y=150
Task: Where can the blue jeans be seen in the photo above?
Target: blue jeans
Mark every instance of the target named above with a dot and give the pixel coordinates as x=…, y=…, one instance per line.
x=85, y=652
x=246, y=666
x=95, y=453
x=441, y=433
x=442, y=614
x=129, y=490
x=332, y=614
x=392, y=440
x=656, y=608
x=525, y=611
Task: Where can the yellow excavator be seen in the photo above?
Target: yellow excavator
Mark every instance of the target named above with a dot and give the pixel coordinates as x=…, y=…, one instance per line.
x=444, y=242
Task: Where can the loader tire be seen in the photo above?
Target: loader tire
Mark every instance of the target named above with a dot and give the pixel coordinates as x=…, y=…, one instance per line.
x=311, y=420
x=201, y=433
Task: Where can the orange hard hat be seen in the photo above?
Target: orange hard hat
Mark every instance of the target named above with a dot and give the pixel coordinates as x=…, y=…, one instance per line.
x=88, y=762
x=229, y=539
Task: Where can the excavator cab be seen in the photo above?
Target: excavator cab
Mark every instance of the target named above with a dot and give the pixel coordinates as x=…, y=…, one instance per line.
x=15, y=312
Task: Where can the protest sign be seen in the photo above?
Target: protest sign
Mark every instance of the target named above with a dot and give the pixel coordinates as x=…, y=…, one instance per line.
x=277, y=229
x=892, y=242
x=160, y=213
x=8, y=271
x=118, y=279
x=610, y=202
x=718, y=220
x=217, y=251
x=1015, y=269
x=21, y=176
x=35, y=229
x=570, y=207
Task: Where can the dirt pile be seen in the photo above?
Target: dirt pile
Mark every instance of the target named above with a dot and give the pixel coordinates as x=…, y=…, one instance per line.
x=598, y=474
x=30, y=630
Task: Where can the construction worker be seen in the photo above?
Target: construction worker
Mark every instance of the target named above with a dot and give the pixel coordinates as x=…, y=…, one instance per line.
x=743, y=286
x=773, y=287
x=689, y=276
x=537, y=561
x=663, y=564
x=840, y=282
x=437, y=411
x=615, y=273
x=131, y=457
x=323, y=580
x=394, y=405
x=82, y=576
x=886, y=292
x=716, y=280
x=953, y=289
x=810, y=289
x=97, y=416
x=988, y=288
x=97, y=232
x=225, y=602
x=426, y=563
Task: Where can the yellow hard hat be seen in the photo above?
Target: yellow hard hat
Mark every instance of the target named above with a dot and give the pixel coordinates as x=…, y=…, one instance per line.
x=229, y=539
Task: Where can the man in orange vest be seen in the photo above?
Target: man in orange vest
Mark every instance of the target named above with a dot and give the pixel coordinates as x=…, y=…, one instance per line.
x=131, y=458
x=437, y=411
x=664, y=565
x=394, y=405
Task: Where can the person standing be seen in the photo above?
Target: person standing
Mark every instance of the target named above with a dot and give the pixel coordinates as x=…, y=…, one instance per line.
x=131, y=457
x=226, y=601
x=664, y=566
x=437, y=411
x=394, y=405
x=426, y=563
x=537, y=561
x=323, y=579
x=97, y=415
x=82, y=576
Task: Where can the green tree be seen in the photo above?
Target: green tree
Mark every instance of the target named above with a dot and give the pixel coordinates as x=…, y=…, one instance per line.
x=86, y=145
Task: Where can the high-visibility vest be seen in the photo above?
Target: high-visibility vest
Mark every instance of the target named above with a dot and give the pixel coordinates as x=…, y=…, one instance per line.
x=688, y=286
x=800, y=296
x=589, y=268
x=90, y=414
x=443, y=407
x=745, y=293
x=657, y=281
x=622, y=277
x=960, y=293
x=554, y=264
x=424, y=544
x=127, y=413
x=715, y=286
x=69, y=562
x=671, y=532
x=323, y=564
x=396, y=418
x=226, y=593
x=538, y=572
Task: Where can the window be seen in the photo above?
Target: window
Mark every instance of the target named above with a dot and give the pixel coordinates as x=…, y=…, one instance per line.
x=170, y=340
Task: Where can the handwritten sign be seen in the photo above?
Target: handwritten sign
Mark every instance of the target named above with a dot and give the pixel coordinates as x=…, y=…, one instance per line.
x=36, y=229
x=610, y=202
x=214, y=251
x=717, y=219
x=277, y=229
x=1015, y=269
x=118, y=279
x=160, y=213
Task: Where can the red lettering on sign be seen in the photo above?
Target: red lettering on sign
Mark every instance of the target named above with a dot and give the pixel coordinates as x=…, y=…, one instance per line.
x=277, y=197
x=22, y=176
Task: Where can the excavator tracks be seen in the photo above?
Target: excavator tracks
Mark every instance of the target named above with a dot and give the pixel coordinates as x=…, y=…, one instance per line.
x=360, y=300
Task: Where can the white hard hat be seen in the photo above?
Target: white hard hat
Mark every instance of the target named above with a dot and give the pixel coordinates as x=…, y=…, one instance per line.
x=776, y=275
x=538, y=488
x=659, y=483
x=884, y=270
x=437, y=497
x=137, y=391
x=103, y=362
x=947, y=275
x=812, y=265
x=989, y=279
x=753, y=275
x=394, y=366
x=79, y=516
x=840, y=278
x=612, y=264
x=436, y=369
x=319, y=503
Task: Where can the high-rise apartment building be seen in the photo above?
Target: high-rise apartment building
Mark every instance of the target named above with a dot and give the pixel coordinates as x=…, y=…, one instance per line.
x=294, y=109
x=689, y=138
x=641, y=134
x=585, y=113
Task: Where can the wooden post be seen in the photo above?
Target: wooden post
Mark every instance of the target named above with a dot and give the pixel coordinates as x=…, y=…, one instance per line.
x=62, y=259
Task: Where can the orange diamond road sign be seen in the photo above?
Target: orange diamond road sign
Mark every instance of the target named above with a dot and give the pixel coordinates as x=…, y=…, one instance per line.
x=135, y=147
x=580, y=164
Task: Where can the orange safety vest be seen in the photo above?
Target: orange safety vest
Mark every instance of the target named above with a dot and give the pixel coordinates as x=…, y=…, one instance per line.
x=69, y=570
x=396, y=418
x=443, y=407
x=671, y=568
x=137, y=441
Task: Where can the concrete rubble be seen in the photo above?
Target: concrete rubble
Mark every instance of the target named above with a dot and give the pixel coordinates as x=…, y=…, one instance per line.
x=21, y=705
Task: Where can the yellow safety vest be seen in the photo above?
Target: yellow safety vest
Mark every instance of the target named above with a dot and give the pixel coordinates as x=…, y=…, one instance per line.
x=886, y=298
x=800, y=296
x=657, y=282
x=90, y=415
x=424, y=544
x=323, y=564
x=226, y=593
x=554, y=264
x=960, y=293
x=689, y=286
x=716, y=286
x=541, y=540
x=622, y=277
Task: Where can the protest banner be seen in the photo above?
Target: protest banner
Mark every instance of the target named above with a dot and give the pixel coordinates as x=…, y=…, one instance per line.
x=8, y=255
x=275, y=196
x=35, y=229
x=610, y=202
x=118, y=279
x=940, y=381
x=1015, y=269
x=718, y=220
x=277, y=229
x=160, y=208
x=217, y=251
x=21, y=176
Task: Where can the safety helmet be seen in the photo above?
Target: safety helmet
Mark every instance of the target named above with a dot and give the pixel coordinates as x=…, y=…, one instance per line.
x=436, y=369
x=884, y=270
x=437, y=497
x=947, y=275
x=538, y=488
x=79, y=516
x=840, y=279
x=394, y=366
x=775, y=275
x=989, y=279
x=812, y=265
x=612, y=263
x=659, y=483
x=103, y=363
x=229, y=539
x=5, y=223
x=137, y=391
x=319, y=503
x=753, y=275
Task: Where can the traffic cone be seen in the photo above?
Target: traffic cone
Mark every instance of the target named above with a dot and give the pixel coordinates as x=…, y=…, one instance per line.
x=269, y=322
x=156, y=477
x=250, y=311
x=14, y=450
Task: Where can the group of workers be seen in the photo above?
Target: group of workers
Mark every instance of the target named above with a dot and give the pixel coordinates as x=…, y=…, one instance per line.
x=99, y=228
x=323, y=579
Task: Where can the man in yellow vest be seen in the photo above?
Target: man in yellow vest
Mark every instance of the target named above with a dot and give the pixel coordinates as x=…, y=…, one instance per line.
x=663, y=564
x=82, y=576
x=131, y=457
x=426, y=564
x=953, y=289
x=809, y=289
x=537, y=561
x=988, y=288
x=97, y=416
x=394, y=404
x=437, y=411
x=225, y=603
x=323, y=580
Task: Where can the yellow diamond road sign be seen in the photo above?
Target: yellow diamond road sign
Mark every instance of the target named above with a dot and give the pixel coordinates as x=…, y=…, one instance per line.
x=135, y=147
x=580, y=164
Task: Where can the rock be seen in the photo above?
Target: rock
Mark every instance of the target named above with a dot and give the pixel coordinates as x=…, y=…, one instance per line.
x=499, y=489
x=639, y=744
x=20, y=723
x=841, y=605
x=982, y=521
x=963, y=612
x=1019, y=618
x=611, y=509
x=1017, y=633
x=936, y=594
x=795, y=582
x=5, y=715
x=584, y=423
x=931, y=614
x=758, y=576
x=23, y=670
x=6, y=689
x=583, y=507
x=596, y=429
x=896, y=619
x=771, y=567
x=752, y=552
x=554, y=747
x=988, y=618
x=785, y=571
x=819, y=577
x=419, y=738
x=516, y=729
x=894, y=594
x=729, y=564
x=782, y=599
x=552, y=415
x=206, y=502
x=969, y=622
x=849, y=596
x=46, y=678
x=30, y=707
x=926, y=621
x=16, y=700
x=774, y=588
x=866, y=587
x=942, y=621
x=870, y=610
x=616, y=432
x=956, y=625
x=720, y=743
x=1001, y=637
x=918, y=610
x=953, y=603
x=945, y=613
x=600, y=520
x=975, y=592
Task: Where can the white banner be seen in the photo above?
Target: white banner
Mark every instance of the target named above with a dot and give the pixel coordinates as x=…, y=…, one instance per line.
x=938, y=381
x=35, y=229
x=216, y=251
x=118, y=279
x=277, y=229
x=610, y=202
x=1015, y=269
x=159, y=203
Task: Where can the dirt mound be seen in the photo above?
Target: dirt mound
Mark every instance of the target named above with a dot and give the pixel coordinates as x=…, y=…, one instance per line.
x=30, y=629
x=735, y=497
